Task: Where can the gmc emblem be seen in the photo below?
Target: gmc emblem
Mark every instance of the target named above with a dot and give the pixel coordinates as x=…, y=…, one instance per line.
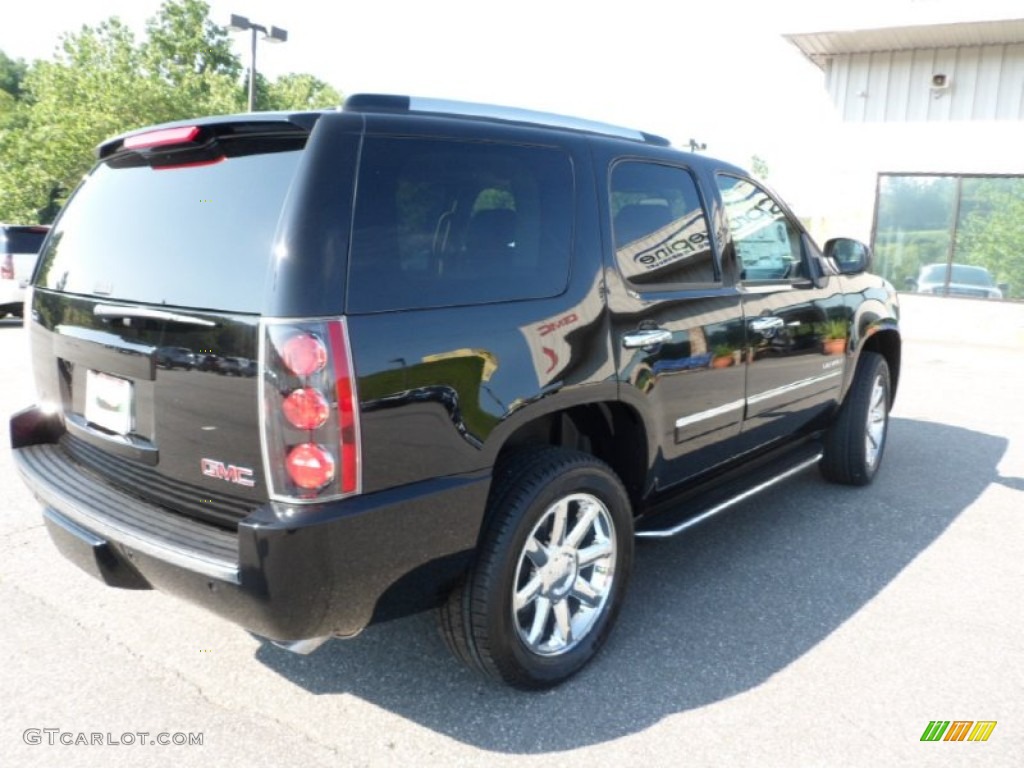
x=228, y=472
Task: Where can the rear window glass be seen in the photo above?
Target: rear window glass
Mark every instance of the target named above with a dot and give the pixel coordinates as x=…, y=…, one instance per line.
x=443, y=223
x=188, y=236
x=20, y=240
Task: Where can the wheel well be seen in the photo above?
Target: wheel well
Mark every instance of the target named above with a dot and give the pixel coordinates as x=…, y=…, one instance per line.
x=888, y=345
x=609, y=431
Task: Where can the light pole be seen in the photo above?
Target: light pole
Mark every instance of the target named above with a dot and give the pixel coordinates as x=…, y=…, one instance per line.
x=275, y=35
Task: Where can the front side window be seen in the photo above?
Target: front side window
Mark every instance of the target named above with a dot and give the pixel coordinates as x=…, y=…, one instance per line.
x=446, y=223
x=767, y=243
x=660, y=228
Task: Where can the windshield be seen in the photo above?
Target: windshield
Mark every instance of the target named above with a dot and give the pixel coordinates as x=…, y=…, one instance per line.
x=190, y=236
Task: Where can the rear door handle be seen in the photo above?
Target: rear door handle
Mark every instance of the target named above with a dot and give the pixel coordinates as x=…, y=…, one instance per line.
x=766, y=324
x=648, y=337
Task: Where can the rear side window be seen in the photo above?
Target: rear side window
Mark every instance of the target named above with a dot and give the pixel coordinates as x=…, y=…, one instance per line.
x=444, y=223
x=15, y=240
x=661, y=230
x=188, y=236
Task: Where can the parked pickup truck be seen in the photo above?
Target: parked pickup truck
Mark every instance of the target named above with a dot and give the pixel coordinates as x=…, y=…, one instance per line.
x=490, y=348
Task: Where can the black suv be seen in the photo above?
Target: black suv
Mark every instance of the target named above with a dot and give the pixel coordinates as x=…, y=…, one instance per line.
x=492, y=348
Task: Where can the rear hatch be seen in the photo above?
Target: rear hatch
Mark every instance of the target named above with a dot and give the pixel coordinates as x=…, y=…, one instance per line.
x=146, y=304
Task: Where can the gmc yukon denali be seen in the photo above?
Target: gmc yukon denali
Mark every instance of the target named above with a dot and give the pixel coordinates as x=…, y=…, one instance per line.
x=439, y=355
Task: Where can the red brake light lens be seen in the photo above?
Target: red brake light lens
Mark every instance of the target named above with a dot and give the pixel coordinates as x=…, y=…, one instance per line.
x=162, y=137
x=348, y=413
x=310, y=466
x=310, y=415
x=7, y=268
x=306, y=408
x=304, y=354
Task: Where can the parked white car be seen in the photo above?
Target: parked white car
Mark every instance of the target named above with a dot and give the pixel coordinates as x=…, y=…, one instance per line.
x=964, y=280
x=19, y=249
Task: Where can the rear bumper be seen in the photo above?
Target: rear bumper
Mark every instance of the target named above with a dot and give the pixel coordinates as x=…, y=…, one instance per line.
x=287, y=573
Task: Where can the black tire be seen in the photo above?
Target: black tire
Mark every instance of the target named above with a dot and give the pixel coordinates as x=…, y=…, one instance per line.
x=855, y=443
x=519, y=555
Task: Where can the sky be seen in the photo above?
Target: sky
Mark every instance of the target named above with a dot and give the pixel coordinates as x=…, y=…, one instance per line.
x=719, y=71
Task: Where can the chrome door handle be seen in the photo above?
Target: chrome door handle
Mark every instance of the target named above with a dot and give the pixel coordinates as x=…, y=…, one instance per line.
x=646, y=338
x=766, y=324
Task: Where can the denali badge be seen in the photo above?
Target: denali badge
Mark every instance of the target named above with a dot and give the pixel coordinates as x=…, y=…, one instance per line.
x=229, y=472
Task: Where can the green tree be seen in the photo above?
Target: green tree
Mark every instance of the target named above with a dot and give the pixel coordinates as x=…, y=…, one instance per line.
x=991, y=234
x=759, y=167
x=189, y=53
x=299, y=91
x=102, y=82
x=91, y=89
x=12, y=73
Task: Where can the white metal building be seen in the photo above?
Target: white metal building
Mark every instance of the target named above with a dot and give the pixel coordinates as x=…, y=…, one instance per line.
x=930, y=106
x=943, y=72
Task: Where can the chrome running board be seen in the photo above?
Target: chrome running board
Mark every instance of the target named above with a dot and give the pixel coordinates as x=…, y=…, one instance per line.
x=733, y=500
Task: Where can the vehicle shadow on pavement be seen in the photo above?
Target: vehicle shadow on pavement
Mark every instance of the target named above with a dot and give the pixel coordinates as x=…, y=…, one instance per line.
x=708, y=616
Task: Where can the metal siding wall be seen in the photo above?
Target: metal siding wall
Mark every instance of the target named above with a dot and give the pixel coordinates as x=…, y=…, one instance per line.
x=1011, y=84
x=922, y=67
x=965, y=83
x=940, y=102
x=879, y=72
x=841, y=75
x=898, y=96
x=987, y=83
x=856, y=101
x=987, y=91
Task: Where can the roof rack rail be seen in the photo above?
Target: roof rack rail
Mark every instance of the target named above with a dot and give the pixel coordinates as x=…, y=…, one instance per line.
x=373, y=102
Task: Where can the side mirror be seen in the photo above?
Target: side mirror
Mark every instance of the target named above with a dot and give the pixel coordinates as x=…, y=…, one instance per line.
x=850, y=256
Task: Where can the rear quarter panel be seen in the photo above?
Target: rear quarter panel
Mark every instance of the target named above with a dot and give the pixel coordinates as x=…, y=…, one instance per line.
x=441, y=389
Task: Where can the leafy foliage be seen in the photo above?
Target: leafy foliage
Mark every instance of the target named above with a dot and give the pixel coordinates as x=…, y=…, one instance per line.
x=298, y=91
x=759, y=167
x=991, y=234
x=916, y=224
x=102, y=82
x=12, y=72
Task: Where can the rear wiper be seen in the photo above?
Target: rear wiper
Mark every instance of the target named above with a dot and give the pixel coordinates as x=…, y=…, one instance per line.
x=112, y=311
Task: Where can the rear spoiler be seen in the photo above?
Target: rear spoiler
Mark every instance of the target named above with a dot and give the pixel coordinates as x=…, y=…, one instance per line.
x=210, y=128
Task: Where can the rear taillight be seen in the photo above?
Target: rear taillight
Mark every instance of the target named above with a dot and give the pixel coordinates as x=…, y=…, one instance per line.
x=310, y=411
x=7, y=267
x=310, y=466
x=304, y=354
x=306, y=408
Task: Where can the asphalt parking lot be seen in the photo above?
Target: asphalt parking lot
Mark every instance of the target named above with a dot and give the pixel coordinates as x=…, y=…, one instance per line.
x=811, y=626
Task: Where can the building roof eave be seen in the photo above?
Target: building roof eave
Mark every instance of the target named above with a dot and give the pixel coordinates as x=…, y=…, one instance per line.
x=819, y=47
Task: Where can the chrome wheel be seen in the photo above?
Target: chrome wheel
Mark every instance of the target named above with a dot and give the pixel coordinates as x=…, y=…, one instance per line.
x=564, y=575
x=878, y=413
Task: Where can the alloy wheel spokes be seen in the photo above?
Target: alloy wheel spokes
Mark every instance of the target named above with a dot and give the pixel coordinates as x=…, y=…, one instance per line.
x=564, y=575
x=874, y=434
